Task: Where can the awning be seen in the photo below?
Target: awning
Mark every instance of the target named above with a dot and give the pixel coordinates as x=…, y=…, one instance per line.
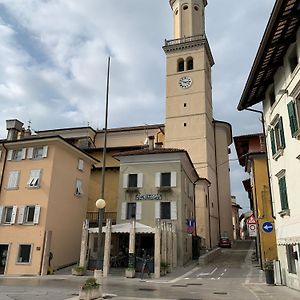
x=125, y=228
x=288, y=234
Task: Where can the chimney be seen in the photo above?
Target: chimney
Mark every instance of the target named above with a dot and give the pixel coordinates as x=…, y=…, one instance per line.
x=13, y=127
x=151, y=142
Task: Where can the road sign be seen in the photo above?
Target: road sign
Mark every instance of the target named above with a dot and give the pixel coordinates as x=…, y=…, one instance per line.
x=267, y=227
x=251, y=220
x=252, y=230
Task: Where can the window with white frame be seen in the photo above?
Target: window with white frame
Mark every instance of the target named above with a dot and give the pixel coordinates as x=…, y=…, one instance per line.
x=24, y=253
x=131, y=210
x=13, y=180
x=8, y=214
x=78, y=187
x=37, y=152
x=29, y=214
x=165, y=179
x=80, y=165
x=34, y=178
x=277, y=136
x=133, y=180
x=166, y=210
x=17, y=154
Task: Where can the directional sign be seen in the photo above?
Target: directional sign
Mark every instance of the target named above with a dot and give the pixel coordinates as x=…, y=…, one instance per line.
x=267, y=227
x=251, y=220
x=252, y=230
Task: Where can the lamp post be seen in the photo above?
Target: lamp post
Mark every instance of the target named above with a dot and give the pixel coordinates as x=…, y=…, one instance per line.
x=100, y=203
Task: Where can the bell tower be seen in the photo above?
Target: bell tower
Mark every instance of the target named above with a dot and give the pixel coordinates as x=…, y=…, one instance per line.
x=189, y=121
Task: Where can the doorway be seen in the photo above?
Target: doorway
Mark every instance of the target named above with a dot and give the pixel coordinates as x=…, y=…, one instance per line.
x=3, y=258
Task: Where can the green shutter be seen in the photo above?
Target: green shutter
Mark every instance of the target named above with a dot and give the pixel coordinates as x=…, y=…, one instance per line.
x=283, y=193
x=272, y=135
x=292, y=117
x=282, y=139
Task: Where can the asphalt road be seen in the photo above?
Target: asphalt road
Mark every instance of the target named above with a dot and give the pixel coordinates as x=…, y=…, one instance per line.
x=233, y=275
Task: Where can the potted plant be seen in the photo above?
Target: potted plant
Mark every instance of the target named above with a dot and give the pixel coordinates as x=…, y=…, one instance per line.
x=90, y=290
x=130, y=271
x=78, y=270
x=164, y=267
x=269, y=271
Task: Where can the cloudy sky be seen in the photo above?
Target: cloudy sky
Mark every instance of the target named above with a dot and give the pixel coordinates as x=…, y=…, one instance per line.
x=53, y=59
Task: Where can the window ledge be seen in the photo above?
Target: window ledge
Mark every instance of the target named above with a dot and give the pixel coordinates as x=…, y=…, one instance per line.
x=12, y=188
x=278, y=154
x=32, y=187
x=284, y=212
x=132, y=189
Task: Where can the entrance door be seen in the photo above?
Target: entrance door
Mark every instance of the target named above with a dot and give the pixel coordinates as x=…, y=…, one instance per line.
x=3, y=258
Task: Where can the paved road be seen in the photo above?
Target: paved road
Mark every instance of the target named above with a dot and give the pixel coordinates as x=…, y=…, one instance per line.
x=233, y=275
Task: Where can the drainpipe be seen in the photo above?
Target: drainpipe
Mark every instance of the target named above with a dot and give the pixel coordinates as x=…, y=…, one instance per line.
x=3, y=168
x=265, y=144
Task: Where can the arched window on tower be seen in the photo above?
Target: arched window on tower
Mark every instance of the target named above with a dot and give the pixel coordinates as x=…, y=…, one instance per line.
x=190, y=63
x=180, y=65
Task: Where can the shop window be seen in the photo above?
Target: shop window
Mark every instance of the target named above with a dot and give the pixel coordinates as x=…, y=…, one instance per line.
x=291, y=255
x=24, y=253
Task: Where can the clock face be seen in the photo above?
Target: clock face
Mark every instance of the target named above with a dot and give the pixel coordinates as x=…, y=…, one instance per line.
x=185, y=82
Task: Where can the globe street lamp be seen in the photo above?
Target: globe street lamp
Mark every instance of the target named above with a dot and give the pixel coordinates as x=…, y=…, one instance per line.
x=100, y=204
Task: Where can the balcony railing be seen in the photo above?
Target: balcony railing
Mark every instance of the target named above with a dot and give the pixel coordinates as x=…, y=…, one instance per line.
x=92, y=216
x=185, y=40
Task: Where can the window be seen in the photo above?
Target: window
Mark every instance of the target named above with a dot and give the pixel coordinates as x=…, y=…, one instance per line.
x=277, y=137
x=8, y=214
x=283, y=193
x=291, y=255
x=184, y=124
x=34, y=179
x=184, y=104
x=133, y=181
x=165, y=179
x=165, y=210
x=190, y=63
x=185, y=7
x=37, y=152
x=292, y=111
x=24, y=253
x=131, y=211
x=180, y=65
x=80, y=165
x=78, y=188
x=196, y=7
x=29, y=214
x=13, y=180
x=272, y=97
x=17, y=154
x=293, y=59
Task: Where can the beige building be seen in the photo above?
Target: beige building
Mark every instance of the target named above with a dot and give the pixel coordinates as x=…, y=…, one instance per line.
x=235, y=218
x=43, y=201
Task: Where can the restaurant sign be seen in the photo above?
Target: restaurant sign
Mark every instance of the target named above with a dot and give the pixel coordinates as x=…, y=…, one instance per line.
x=148, y=197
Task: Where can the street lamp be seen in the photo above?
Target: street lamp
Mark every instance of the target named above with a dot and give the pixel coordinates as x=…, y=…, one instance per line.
x=100, y=204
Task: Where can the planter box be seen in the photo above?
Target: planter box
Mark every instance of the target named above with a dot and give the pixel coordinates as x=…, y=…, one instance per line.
x=130, y=273
x=90, y=294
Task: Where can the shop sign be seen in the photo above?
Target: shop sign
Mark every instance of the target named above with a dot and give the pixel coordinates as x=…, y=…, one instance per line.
x=148, y=197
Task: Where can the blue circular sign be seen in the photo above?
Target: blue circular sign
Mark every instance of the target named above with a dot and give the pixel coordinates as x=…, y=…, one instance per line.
x=267, y=227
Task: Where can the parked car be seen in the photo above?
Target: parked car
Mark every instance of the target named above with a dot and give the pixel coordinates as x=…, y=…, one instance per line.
x=224, y=242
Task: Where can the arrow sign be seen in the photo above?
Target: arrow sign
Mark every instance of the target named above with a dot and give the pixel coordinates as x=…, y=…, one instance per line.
x=267, y=227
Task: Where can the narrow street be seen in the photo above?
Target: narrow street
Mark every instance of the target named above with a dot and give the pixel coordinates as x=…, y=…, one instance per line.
x=233, y=275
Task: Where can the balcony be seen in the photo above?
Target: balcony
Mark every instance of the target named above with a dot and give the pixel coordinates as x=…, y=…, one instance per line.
x=92, y=216
x=188, y=39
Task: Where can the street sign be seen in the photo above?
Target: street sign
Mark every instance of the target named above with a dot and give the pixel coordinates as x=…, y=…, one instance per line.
x=267, y=227
x=251, y=220
x=252, y=230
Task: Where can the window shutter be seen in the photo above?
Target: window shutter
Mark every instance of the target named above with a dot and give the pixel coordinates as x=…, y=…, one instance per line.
x=9, y=154
x=125, y=181
x=272, y=136
x=13, y=216
x=157, y=179
x=23, y=153
x=173, y=179
x=282, y=139
x=1, y=213
x=138, y=213
x=80, y=164
x=13, y=180
x=292, y=117
x=21, y=215
x=157, y=210
x=283, y=193
x=140, y=180
x=123, y=211
x=45, y=151
x=36, y=217
x=30, y=153
x=173, y=210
